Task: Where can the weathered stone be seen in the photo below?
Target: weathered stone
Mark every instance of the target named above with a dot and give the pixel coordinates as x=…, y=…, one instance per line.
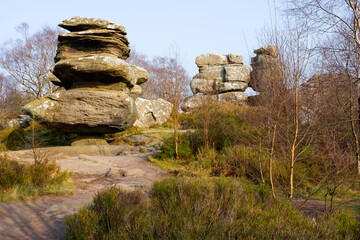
x=267, y=70
x=89, y=141
x=237, y=73
x=152, y=112
x=97, y=86
x=211, y=59
x=141, y=74
x=211, y=73
x=54, y=80
x=84, y=111
x=137, y=140
x=94, y=68
x=203, y=86
x=235, y=59
x=198, y=101
x=82, y=23
x=268, y=50
x=85, y=43
x=233, y=86
x=135, y=92
x=238, y=98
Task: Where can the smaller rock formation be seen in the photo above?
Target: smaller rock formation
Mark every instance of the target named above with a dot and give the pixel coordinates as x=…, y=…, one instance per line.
x=221, y=78
x=267, y=70
x=97, y=86
x=152, y=112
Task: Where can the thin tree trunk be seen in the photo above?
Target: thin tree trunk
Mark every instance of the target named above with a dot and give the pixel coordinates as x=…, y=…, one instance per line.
x=271, y=160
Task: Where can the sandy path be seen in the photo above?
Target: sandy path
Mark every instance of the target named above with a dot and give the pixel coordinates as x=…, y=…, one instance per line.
x=43, y=218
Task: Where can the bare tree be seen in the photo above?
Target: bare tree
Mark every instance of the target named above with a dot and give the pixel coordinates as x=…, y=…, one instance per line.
x=27, y=60
x=340, y=20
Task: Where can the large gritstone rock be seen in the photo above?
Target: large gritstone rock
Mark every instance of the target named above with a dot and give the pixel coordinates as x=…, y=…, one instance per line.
x=84, y=111
x=267, y=70
x=198, y=101
x=152, y=112
x=219, y=75
x=97, y=86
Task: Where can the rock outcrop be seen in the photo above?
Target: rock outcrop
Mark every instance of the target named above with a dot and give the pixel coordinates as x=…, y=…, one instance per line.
x=267, y=71
x=221, y=78
x=152, y=112
x=97, y=87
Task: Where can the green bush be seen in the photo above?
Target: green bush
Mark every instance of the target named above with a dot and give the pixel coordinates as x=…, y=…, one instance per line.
x=202, y=208
x=40, y=175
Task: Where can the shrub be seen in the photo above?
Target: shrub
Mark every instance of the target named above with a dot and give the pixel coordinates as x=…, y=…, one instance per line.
x=40, y=175
x=202, y=208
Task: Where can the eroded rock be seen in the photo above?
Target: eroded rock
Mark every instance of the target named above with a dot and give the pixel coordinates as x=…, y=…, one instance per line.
x=152, y=112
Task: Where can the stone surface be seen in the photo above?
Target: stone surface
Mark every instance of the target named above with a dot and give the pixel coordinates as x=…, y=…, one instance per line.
x=81, y=23
x=141, y=74
x=89, y=141
x=235, y=59
x=221, y=78
x=233, y=86
x=267, y=70
x=199, y=85
x=135, y=91
x=94, y=41
x=152, y=112
x=137, y=140
x=211, y=59
x=198, y=101
x=97, y=87
x=268, y=50
x=84, y=111
x=237, y=73
x=95, y=68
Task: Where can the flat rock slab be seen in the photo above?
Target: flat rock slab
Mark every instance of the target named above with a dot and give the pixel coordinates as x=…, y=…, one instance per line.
x=43, y=218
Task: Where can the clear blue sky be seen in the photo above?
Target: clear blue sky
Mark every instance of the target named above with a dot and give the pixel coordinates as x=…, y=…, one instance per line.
x=194, y=27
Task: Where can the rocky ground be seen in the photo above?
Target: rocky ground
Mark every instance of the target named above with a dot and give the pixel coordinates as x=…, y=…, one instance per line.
x=94, y=168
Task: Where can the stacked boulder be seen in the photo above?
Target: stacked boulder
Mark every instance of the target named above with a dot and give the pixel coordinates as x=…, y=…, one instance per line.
x=97, y=87
x=221, y=78
x=267, y=70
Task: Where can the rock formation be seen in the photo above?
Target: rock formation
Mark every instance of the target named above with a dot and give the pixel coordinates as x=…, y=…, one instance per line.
x=152, y=112
x=97, y=86
x=267, y=71
x=221, y=78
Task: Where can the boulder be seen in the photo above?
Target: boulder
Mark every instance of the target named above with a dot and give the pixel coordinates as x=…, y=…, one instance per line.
x=81, y=24
x=211, y=59
x=95, y=68
x=211, y=73
x=233, y=86
x=268, y=50
x=152, y=112
x=267, y=70
x=198, y=101
x=84, y=111
x=199, y=85
x=237, y=73
x=98, y=41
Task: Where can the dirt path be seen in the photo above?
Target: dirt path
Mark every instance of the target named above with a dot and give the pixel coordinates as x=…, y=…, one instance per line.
x=43, y=218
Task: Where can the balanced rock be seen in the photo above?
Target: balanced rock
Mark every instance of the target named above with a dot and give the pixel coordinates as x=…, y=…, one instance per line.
x=267, y=70
x=152, y=112
x=222, y=77
x=97, y=86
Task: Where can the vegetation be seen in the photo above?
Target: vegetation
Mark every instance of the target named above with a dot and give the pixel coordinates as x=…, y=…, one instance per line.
x=202, y=208
x=22, y=180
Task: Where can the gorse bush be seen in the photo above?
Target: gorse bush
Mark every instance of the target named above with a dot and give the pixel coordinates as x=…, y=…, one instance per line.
x=39, y=177
x=202, y=208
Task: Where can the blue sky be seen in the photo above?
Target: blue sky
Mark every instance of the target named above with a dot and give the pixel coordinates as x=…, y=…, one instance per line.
x=155, y=26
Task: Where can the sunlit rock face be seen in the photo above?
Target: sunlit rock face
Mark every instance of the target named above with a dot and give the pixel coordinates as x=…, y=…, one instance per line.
x=97, y=87
x=221, y=78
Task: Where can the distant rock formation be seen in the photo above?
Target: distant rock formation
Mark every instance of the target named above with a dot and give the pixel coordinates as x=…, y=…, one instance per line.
x=97, y=86
x=152, y=112
x=221, y=78
x=267, y=70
